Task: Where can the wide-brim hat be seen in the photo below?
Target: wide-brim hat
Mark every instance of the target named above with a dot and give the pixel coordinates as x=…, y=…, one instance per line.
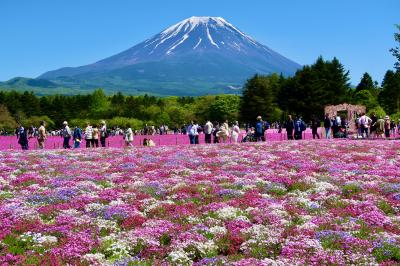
x=259, y=117
x=65, y=123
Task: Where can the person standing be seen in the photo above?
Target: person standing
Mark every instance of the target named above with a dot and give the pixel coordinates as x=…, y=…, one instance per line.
x=194, y=133
x=364, y=123
x=95, y=137
x=380, y=127
x=235, y=132
x=103, y=133
x=335, y=127
x=77, y=137
x=392, y=128
x=387, y=127
x=66, y=134
x=22, y=136
x=327, y=126
x=299, y=127
x=42, y=135
x=215, y=132
x=289, y=125
x=89, y=135
x=208, y=129
x=372, y=129
x=223, y=132
x=191, y=132
x=315, y=124
x=128, y=136
x=343, y=127
x=260, y=129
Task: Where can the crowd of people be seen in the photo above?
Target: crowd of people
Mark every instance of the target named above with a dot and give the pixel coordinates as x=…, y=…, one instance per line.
x=96, y=135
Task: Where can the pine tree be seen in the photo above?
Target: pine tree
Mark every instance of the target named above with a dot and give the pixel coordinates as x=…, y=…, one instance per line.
x=366, y=83
x=257, y=98
x=396, y=51
x=389, y=97
x=314, y=87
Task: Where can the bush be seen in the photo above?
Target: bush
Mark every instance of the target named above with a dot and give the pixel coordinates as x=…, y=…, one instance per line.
x=378, y=111
x=124, y=121
x=35, y=121
x=7, y=122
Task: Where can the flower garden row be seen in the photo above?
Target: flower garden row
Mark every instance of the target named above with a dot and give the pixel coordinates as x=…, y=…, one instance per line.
x=281, y=203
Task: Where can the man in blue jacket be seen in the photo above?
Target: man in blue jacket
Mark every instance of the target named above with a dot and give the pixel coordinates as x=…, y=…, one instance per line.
x=259, y=130
x=77, y=136
x=299, y=127
x=22, y=136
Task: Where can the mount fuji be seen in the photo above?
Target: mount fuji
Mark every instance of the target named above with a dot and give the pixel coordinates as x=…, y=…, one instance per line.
x=197, y=56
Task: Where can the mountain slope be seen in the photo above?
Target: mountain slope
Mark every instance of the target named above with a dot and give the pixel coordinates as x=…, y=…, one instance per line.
x=198, y=55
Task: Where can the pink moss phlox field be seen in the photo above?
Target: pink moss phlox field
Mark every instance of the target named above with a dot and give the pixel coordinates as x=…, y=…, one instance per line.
x=278, y=203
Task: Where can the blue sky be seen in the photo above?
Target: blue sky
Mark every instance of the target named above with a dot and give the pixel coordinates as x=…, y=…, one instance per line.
x=42, y=35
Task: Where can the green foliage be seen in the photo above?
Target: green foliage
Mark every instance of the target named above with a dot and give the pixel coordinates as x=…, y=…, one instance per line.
x=350, y=189
x=165, y=239
x=389, y=97
x=7, y=122
x=366, y=83
x=35, y=120
x=124, y=121
x=258, y=97
x=386, y=207
x=365, y=97
x=387, y=251
x=379, y=112
x=395, y=116
x=98, y=104
x=15, y=245
x=314, y=87
x=330, y=242
x=396, y=51
x=225, y=107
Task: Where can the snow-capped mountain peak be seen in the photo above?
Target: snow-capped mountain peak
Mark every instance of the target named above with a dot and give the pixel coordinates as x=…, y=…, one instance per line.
x=207, y=49
x=213, y=32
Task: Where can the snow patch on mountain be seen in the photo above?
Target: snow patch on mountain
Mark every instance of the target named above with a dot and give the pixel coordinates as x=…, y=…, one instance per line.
x=198, y=43
x=210, y=38
x=176, y=45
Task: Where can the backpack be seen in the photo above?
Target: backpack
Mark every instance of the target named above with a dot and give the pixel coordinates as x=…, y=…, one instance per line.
x=299, y=126
x=303, y=126
x=259, y=127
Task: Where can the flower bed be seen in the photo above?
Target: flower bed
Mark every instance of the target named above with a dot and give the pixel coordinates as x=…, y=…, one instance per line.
x=280, y=203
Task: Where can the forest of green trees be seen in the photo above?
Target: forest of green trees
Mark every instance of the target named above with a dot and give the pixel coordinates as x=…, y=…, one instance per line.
x=306, y=93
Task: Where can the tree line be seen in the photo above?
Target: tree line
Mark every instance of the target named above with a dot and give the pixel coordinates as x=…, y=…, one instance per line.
x=274, y=96
x=325, y=82
x=117, y=110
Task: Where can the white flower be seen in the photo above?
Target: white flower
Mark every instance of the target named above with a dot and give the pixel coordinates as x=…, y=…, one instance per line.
x=179, y=257
x=91, y=207
x=218, y=230
x=94, y=258
x=207, y=247
x=228, y=213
